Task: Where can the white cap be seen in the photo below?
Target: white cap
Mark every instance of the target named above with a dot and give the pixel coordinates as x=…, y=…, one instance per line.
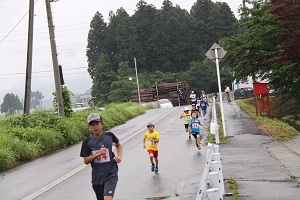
x=186, y=109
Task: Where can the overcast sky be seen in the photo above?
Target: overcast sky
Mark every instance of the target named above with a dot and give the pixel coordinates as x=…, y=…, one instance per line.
x=71, y=20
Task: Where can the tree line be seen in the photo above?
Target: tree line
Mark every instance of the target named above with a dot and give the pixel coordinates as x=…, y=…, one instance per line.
x=12, y=104
x=168, y=43
x=269, y=46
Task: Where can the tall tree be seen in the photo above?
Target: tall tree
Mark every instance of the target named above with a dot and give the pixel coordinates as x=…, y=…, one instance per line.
x=253, y=52
x=11, y=104
x=214, y=21
x=121, y=88
x=97, y=41
x=286, y=79
x=247, y=53
x=287, y=12
x=104, y=77
x=143, y=21
x=36, y=100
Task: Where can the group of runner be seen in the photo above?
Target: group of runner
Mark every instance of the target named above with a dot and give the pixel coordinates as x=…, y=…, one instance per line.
x=97, y=148
x=191, y=119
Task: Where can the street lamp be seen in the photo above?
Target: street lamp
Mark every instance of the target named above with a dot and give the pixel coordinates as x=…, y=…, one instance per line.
x=137, y=80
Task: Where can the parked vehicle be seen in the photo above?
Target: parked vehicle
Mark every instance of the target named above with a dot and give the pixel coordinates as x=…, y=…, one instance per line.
x=164, y=103
x=243, y=93
x=79, y=106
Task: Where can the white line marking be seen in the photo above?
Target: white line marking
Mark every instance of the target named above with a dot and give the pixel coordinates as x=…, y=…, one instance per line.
x=54, y=183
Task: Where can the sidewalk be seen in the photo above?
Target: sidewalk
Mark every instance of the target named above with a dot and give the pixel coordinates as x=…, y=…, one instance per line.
x=264, y=168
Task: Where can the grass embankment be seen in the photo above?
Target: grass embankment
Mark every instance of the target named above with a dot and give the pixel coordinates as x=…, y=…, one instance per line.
x=281, y=125
x=274, y=126
x=24, y=138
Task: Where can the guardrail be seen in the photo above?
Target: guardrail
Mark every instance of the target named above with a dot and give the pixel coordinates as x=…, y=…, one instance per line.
x=212, y=181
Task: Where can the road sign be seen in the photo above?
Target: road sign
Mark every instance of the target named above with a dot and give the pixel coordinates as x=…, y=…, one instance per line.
x=211, y=52
x=216, y=53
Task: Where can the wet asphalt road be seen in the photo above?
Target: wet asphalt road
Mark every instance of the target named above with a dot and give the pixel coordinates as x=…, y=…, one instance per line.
x=63, y=175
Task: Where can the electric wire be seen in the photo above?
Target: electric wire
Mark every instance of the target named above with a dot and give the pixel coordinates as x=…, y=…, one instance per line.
x=43, y=71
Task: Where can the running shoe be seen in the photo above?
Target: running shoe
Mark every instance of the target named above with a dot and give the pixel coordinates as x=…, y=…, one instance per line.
x=156, y=170
x=152, y=167
x=189, y=137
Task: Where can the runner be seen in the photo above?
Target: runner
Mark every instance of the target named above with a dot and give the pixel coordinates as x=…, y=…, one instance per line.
x=194, y=129
x=97, y=150
x=186, y=115
x=203, y=96
x=151, y=139
x=193, y=97
x=195, y=110
x=203, y=107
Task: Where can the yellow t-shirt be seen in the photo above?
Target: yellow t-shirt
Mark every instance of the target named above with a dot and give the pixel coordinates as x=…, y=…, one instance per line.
x=186, y=117
x=149, y=144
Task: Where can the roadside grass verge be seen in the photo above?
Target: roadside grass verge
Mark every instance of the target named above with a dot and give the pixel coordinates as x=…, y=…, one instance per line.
x=274, y=127
x=24, y=138
x=279, y=128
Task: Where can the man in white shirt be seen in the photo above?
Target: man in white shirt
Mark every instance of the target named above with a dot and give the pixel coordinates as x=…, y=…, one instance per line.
x=193, y=97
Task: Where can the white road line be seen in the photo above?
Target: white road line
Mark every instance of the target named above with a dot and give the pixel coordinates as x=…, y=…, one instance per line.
x=79, y=168
x=54, y=183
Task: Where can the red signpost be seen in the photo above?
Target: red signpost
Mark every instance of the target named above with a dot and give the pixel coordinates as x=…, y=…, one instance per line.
x=261, y=98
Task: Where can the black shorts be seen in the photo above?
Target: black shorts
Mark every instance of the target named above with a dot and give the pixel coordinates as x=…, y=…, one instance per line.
x=195, y=135
x=186, y=125
x=108, y=189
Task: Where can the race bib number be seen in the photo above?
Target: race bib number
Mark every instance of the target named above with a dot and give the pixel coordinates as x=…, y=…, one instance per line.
x=152, y=143
x=103, y=158
x=195, y=125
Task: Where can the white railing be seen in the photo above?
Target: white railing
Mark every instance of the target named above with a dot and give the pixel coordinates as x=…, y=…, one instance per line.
x=212, y=181
x=214, y=126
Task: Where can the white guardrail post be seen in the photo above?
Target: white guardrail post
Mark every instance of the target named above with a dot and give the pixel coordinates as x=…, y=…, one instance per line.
x=212, y=183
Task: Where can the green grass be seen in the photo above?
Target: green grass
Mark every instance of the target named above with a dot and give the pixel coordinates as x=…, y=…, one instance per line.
x=274, y=127
x=233, y=185
x=24, y=138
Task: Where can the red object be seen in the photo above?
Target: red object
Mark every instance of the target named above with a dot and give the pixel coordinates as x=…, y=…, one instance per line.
x=261, y=98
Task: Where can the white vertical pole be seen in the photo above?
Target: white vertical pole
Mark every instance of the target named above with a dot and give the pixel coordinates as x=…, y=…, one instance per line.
x=220, y=90
x=137, y=80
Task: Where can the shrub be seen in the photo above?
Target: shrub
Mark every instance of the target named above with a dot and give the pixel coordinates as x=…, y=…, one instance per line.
x=47, y=139
x=7, y=156
x=72, y=130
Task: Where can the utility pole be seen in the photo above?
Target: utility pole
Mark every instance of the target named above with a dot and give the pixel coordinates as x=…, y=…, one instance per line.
x=55, y=60
x=27, y=97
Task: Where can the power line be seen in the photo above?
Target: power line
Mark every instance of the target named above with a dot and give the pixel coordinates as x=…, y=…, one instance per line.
x=41, y=76
x=38, y=72
x=13, y=28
